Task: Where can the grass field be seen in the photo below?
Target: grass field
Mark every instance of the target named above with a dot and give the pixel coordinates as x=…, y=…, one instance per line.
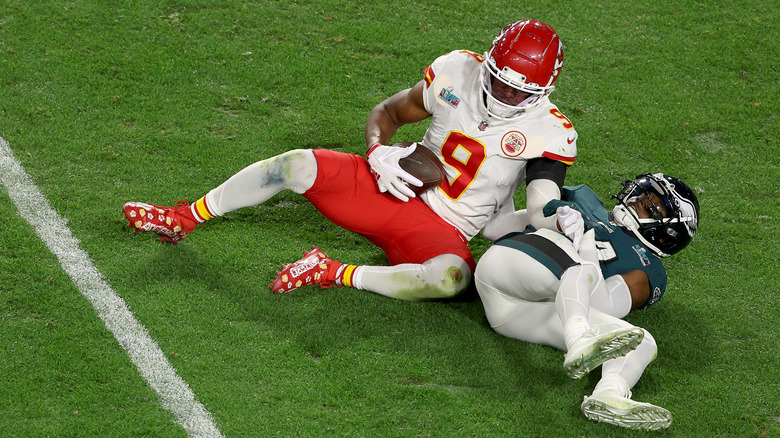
x=107, y=102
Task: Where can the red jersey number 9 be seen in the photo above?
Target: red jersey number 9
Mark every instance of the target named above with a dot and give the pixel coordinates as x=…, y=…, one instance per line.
x=465, y=155
x=558, y=114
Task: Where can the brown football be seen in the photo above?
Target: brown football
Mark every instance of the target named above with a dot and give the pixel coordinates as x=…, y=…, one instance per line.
x=424, y=165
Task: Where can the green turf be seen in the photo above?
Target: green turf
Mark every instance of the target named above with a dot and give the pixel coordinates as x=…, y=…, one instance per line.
x=106, y=102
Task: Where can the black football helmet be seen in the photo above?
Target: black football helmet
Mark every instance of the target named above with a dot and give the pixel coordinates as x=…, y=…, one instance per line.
x=663, y=234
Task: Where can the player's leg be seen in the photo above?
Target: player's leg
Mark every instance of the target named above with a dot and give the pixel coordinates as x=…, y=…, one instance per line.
x=443, y=276
x=429, y=257
x=577, y=284
x=588, y=346
x=573, y=300
x=437, y=264
x=611, y=400
x=516, y=291
x=541, y=266
x=509, y=280
x=295, y=170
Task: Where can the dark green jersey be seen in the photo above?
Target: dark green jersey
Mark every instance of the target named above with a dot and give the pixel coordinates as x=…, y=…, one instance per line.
x=619, y=251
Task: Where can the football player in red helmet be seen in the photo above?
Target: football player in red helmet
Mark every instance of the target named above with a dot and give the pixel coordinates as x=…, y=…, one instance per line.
x=520, y=68
x=491, y=125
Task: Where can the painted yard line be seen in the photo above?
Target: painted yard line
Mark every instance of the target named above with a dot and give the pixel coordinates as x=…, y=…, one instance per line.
x=175, y=395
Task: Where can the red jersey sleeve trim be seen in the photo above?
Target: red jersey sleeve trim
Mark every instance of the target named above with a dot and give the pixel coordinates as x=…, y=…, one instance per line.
x=429, y=76
x=565, y=160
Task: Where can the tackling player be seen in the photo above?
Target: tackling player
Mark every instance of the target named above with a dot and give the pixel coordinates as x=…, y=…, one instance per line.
x=540, y=287
x=493, y=127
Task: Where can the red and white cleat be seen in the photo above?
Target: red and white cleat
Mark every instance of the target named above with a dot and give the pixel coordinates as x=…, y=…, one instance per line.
x=168, y=222
x=314, y=268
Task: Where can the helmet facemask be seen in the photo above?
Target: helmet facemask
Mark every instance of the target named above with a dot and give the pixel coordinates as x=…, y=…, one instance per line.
x=499, y=109
x=664, y=234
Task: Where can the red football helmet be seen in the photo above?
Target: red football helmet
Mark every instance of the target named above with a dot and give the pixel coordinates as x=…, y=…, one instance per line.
x=525, y=57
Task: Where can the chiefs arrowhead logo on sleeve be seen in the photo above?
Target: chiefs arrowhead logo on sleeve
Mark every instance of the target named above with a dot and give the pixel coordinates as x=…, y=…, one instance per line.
x=513, y=144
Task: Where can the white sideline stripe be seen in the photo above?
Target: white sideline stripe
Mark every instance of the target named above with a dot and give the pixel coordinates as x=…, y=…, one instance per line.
x=174, y=393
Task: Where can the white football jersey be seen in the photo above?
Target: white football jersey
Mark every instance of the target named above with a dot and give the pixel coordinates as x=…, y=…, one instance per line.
x=484, y=158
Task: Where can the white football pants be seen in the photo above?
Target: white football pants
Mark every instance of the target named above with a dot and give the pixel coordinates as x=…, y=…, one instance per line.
x=518, y=294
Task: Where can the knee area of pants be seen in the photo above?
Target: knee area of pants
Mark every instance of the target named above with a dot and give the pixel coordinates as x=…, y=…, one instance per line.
x=589, y=270
x=452, y=275
x=297, y=156
x=456, y=280
x=649, y=340
x=295, y=170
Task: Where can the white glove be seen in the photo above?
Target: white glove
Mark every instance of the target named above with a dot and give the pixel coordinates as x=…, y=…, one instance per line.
x=571, y=224
x=388, y=173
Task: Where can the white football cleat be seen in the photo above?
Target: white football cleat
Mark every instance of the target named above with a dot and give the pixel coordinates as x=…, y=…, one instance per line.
x=611, y=407
x=592, y=349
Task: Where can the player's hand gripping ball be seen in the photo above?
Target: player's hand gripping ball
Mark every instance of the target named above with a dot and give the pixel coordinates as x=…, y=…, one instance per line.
x=422, y=164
